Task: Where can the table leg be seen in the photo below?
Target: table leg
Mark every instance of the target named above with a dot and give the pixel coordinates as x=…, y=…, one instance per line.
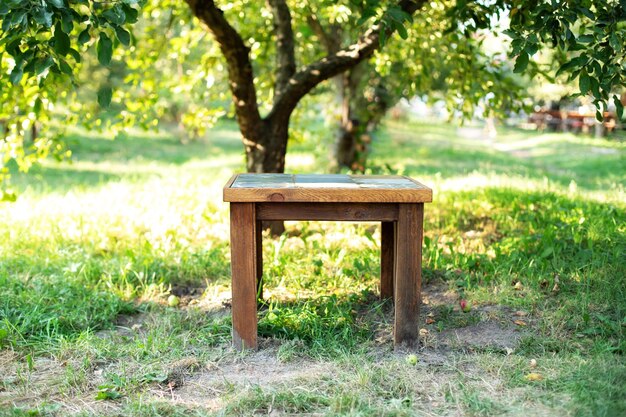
x=408, y=278
x=387, y=256
x=244, y=274
x=259, y=259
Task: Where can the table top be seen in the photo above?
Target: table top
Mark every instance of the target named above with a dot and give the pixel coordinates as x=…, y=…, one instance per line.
x=335, y=188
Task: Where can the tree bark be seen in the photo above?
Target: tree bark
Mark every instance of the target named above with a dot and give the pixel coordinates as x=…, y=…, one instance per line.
x=350, y=125
x=285, y=54
x=362, y=113
x=270, y=157
x=265, y=139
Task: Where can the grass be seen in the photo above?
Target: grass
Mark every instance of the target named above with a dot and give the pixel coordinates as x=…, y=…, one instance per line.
x=529, y=228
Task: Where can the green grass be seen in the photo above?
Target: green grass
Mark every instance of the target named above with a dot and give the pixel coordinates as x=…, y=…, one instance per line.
x=527, y=222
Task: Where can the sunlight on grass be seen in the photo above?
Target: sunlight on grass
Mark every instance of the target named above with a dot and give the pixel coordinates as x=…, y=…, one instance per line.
x=91, y=251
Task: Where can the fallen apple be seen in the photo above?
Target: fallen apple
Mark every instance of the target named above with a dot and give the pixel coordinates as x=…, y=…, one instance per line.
x=466, y=307
x=411, y=360
x=173, y=301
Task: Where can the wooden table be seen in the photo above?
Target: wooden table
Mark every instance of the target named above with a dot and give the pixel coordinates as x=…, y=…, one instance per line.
x=395, y=201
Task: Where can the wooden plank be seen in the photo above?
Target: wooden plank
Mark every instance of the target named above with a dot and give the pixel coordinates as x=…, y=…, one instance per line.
x=408, y=279
x=326, y=188
x=358, y=212
x=230, y=181
x=387, y=258
x=328, y=195
x=259, y=259
x=244, y=274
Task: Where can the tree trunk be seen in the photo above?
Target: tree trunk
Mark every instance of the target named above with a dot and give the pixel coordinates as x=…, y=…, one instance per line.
x=349, y=125
x=353, y=143
x=266, y=149
x=364, y=104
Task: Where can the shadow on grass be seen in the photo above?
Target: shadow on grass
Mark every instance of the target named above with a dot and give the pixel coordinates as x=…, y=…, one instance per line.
x=165, y=147
x=442, y=150
x=98, y=160
x=328, y=323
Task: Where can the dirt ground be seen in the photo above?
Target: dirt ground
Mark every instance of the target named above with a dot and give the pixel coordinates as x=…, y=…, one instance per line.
x=209, y=384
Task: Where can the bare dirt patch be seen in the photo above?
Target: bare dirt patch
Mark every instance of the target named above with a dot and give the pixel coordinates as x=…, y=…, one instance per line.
x=207, y=387
x=21, y=384
x=485, y=335
x=437, y=293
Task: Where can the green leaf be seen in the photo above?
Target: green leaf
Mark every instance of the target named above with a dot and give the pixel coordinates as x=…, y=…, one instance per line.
x=398, y=15
x=29, y=65
x=65, y=67
x=521, y=62
x=74, y=53
x=531, y=48
x=584, y=83
x=366, y=15
x=574, y=63
x=6, y=25
x=619, y=107
x=57, y=3
x=38, y=105
x=84, y=36
x=599, y=116
x=30, y=363
x=402, y=31
x=586, y=12
x=586, y=38
x=43, y=64
x=615, y=43
x=123, y=35
x=104, y=49
x=132, y=14
x=43, y=17
x=383, y=35
x=516, y=46
x=114, y=15
x=67, y=22
x=61, y=41
x=511, y=33
x=107, y=392
x=595, y=86
x=16, y=75
x=13, y=47
x=104, y=97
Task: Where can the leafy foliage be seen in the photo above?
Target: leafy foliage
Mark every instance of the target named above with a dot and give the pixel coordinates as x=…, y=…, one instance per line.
x=592, y=33
x=41, y=49
x=171, y=69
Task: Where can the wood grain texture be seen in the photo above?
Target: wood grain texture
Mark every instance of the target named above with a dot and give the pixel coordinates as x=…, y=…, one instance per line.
x=328, y=195
x=271, y=197
x=387, y=256
x=326, y=188
x=357, y=212
x=230, y=181
x=408, y=277
x=259, y=259
x=243, y=243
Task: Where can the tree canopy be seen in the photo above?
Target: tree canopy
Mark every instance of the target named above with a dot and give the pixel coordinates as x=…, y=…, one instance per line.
x=272, y=55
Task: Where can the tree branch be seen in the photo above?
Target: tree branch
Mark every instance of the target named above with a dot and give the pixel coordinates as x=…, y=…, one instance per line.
x=237, y=56
x=332, y=41
x=309, y=77
x=285, y=56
